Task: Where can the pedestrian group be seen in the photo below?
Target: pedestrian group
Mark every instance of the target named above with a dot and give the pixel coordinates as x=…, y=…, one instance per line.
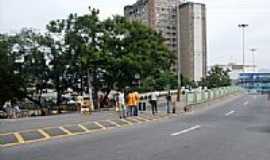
x=128, y=106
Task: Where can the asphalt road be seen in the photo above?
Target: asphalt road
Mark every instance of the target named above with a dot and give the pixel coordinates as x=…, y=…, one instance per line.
x=237, y=130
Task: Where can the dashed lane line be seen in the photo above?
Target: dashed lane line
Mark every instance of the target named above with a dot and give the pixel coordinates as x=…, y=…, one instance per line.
x=186, y=130
x=229, y=113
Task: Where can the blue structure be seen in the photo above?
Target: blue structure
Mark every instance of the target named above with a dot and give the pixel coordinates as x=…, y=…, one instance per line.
x=259, y=82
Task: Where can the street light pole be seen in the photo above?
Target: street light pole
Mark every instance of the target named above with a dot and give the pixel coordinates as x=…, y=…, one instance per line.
x=243, y=26
x=179, y=83
x=179, y=79
x=90, y=89
x=253, y=50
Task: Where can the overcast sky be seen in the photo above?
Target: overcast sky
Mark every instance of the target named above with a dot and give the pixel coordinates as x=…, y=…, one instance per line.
x=223, y=16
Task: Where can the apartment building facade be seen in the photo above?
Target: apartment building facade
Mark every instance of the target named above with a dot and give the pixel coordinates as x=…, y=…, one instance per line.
x=191, y=30
x=165, y=16
x=160, y=15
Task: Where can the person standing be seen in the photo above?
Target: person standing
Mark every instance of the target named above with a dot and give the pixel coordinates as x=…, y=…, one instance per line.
x=130, y=103
x=154, y=98
x=7, y=108
x=169, y=102
x=17, y=110
x=122, y=106
x=136, y=97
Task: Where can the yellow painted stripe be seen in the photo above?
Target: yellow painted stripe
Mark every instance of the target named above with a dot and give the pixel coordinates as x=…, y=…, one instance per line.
x=134, y=119
x=19, y=137
x=65, y=130
x=46, y=135
x=7, y=133
x=130, y=123
x=103, y=127
x=110, y=121
x=84, y=128
x=142, y=118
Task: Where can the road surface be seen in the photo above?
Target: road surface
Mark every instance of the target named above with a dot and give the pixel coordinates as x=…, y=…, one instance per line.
x=237, y=130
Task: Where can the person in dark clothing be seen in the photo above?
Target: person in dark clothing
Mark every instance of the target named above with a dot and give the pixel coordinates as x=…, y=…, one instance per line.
x=169, y=102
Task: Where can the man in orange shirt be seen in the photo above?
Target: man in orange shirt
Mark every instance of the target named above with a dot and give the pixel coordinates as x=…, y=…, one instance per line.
x=130, y=103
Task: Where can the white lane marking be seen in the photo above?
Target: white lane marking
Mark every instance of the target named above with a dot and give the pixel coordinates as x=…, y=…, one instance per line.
x=246, y=103
x=186, y=130
x=229, y=113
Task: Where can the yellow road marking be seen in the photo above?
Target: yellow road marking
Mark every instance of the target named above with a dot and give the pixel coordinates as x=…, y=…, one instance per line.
x=130, y=123
x=19, y=137
x=134, y=119
x=110, y=121
x=7, y=133
x=100, y=125
x=65, y=130
x=84, y=128
x=142, y=118
x=46, y=135
x=149, y=118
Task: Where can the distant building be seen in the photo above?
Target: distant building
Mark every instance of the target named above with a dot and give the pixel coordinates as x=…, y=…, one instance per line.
x=192, y=45
x=160, y=15
x=236, y=70
x=182, y=25
x=259, y=82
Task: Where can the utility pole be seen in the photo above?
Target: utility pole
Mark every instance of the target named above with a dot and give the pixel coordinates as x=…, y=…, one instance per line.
x=178, y=63
x=253, y=50
x=243, y=26
x=89, y=77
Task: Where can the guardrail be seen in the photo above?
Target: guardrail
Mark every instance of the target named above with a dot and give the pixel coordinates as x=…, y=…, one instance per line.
x=193, y=98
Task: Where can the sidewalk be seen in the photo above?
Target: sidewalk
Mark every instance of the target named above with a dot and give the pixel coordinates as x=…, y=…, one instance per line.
x=35, y=130
x=30, y=130
x=14, y=125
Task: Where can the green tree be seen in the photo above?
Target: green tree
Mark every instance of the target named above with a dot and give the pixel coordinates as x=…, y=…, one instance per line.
x=58, y=57
x=132, y=48
x=11, y=84
x=29, y=48
x=115, y=50
x=217, y=77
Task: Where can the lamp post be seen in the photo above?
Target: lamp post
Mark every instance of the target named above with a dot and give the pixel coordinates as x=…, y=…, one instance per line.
x=243, y=26
x=178, y=78
x=253, y=50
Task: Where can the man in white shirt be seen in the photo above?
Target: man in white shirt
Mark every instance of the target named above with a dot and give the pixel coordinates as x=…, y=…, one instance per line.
x=121, y=104
x=153, y=101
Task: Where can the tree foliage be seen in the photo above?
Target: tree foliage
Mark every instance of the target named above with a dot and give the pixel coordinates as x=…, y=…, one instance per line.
x=217, y=77
x=83, y=48
x=11, y=84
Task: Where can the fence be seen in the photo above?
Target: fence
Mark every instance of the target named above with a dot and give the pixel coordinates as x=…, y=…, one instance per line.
x=193, y=98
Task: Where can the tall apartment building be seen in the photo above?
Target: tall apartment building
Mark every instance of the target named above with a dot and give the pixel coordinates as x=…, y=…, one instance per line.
x=165, y=16
x=191, y=30
x=160, y=15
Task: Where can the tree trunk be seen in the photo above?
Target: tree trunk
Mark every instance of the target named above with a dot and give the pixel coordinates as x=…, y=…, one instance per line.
x=104, y=101
x=59, y=95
